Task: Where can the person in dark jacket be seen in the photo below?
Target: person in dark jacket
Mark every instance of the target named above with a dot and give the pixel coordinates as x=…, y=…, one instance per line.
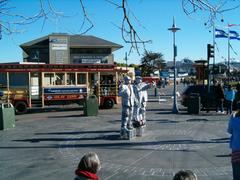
x=219, y=95
x=88, y=166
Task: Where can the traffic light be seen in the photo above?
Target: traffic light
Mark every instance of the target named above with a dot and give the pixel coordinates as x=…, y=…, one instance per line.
x=210, y=51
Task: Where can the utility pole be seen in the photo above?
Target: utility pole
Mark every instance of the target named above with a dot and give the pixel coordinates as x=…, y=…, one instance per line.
x=228, y=73
x=213, y=47
x=0, y=31
x=126, y=59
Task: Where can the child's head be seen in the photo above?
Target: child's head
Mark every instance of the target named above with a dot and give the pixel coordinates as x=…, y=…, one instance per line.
x=185, y=175
x=90, y=162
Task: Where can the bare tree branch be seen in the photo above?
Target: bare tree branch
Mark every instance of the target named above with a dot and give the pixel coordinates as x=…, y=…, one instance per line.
x=128, y=31
x=86, y=19
x=191, y=7
x=14, y=20
x=10, y=21
x=56, y=13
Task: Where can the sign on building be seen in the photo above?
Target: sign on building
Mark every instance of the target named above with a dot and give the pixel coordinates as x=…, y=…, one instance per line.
x=92, y=59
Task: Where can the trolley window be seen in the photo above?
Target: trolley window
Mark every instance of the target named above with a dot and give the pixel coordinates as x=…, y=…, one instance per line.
x=71, y=80
x=3, y=79
x=18, y=80
x=60, y=79
x=49, y=79
x=81, y=78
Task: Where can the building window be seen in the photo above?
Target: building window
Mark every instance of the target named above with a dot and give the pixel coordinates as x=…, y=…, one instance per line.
x=90, y=50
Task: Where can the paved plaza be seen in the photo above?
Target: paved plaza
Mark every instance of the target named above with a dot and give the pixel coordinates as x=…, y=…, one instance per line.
x=49, y=145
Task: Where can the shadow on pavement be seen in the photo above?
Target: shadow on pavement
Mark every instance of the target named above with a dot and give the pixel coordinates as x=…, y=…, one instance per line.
x=54, y=109
x=159, y=109
x=68, y=116
x=36, y=140
x=224, y=155
x=162, y=121
x=118, y=145
x=76, y=132
x=197, y=120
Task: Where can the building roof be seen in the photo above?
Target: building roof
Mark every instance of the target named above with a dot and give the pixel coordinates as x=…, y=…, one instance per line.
x=33, y=42
x=76, y=41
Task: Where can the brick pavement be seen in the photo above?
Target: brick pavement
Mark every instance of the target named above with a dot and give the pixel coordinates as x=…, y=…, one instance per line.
x=49, y=145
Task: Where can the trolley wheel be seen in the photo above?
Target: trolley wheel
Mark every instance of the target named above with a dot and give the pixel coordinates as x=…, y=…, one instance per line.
x=20, y=107
x=108, y=104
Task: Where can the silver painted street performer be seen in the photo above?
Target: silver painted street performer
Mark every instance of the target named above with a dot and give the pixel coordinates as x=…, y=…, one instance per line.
x=128, y=98
x=139, y=111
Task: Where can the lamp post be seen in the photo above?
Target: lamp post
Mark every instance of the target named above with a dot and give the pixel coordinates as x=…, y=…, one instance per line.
x=174, y=29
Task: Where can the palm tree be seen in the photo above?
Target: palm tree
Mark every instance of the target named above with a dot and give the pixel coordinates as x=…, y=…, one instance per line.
x=151, y=62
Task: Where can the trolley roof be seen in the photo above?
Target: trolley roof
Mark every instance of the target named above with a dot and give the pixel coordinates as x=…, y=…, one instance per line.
x=60, y=68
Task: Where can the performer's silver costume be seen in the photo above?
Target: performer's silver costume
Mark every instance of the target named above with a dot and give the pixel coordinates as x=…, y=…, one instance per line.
x=127, y=94
x=140, y=91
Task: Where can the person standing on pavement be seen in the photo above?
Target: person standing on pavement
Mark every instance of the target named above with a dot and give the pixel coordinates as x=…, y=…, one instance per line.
x=219, y=95
x=139, y=111
x=229, y=96
x=234, y=130
x=128, y=98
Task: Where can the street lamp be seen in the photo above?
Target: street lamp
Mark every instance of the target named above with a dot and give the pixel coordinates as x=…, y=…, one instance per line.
x=174, y=29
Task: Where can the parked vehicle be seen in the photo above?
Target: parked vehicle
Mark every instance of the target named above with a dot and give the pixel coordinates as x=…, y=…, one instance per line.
x=207, y=100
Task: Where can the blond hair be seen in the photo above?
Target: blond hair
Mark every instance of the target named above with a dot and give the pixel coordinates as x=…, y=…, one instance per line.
x=90, y=162
x=185, y=175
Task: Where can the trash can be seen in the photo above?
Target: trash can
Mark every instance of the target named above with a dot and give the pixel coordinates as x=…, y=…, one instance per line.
x=90, y=107
x=194, y=104
x=7, y=116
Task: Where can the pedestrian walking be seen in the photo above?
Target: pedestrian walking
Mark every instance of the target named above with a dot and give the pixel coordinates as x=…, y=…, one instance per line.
x=229, y=96
x=234, y=130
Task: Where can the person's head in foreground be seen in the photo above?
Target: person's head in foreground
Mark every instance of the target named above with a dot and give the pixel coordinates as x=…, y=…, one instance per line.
x=88, y=166
x=185, y=175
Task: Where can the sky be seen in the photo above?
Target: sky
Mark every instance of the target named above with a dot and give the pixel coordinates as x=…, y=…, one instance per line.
x=151, y=19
